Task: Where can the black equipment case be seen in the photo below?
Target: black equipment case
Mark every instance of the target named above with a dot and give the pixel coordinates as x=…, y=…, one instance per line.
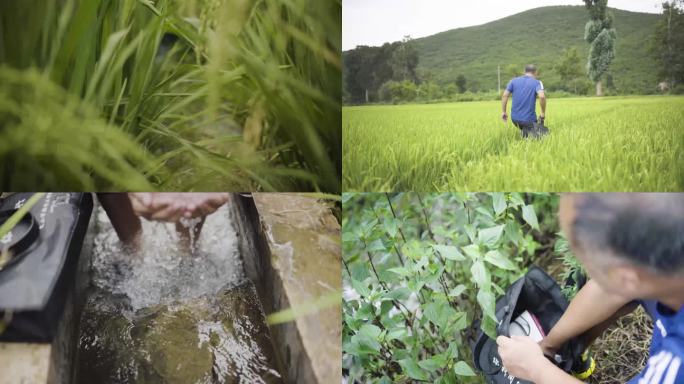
x=44, y=249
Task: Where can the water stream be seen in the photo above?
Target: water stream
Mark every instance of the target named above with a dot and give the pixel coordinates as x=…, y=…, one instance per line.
x=172, y=314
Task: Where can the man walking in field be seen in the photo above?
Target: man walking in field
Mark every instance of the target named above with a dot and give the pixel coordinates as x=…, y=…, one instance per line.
x=525, y=90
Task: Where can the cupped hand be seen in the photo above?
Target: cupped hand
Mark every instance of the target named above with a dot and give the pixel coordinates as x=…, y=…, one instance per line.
x=171, y=207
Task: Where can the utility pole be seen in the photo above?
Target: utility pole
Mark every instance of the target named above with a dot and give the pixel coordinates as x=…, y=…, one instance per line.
x=498, y=74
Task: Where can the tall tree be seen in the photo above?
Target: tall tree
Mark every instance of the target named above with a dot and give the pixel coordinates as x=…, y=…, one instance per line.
x=570, y=67
x=461, y=83
x=404, y=61
x=358, y=75
x=600, y=34
x=668, y=43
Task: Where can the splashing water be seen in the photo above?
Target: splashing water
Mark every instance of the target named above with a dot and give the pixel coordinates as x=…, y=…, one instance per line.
x=169, y=314
x=163, y=270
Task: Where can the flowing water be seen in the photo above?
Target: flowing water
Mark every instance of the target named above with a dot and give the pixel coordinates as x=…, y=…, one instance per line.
x=173, y=314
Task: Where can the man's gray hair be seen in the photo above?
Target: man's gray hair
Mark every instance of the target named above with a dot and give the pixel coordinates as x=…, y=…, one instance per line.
x=644, y=228
x=530, y=68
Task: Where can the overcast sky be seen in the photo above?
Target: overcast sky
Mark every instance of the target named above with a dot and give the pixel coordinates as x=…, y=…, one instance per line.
x=374, y=22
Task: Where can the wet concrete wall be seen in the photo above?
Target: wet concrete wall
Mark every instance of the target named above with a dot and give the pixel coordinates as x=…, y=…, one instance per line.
x=291, y=249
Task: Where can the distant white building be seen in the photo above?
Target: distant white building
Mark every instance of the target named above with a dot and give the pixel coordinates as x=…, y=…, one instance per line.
x=663, y=86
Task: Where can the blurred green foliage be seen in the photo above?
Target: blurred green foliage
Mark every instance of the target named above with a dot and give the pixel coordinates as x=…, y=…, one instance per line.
x=170, y=94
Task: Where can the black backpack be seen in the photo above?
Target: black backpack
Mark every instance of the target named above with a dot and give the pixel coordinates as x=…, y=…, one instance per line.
x=538, y=293
x=538, y=129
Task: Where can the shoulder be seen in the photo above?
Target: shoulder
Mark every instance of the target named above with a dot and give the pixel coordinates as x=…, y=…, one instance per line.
x=665, y=365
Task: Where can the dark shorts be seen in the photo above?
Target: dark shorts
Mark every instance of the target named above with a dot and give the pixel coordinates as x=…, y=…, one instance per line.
x=526, y=127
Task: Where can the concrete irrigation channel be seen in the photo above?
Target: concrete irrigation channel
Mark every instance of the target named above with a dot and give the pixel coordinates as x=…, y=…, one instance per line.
x=174, y=317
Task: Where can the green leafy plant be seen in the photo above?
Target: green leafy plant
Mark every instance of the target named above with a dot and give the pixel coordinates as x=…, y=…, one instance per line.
x=418, y=269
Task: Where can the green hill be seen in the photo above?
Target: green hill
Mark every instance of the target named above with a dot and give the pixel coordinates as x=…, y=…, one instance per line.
x=538, y=36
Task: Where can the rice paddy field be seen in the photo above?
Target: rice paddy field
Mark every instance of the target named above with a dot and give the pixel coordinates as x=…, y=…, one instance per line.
x=596, y=144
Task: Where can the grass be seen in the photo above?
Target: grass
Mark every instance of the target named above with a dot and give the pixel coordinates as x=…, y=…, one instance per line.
x=596, y=144
x=170, y=94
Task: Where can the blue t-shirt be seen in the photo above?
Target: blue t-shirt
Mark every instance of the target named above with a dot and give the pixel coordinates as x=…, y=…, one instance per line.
x=667, y=347
x=524, y=90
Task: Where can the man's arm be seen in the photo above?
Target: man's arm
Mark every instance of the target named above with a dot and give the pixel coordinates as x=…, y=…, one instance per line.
x=542, y=102
x=120, y=212
x=591, y=306
x=504, y=103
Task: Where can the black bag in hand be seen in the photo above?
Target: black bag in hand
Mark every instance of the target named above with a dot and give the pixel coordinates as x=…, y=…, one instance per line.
x=538, y=129
x=539, y=294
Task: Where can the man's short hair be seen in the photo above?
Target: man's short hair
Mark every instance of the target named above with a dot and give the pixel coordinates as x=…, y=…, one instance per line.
x=646, y=229
x=530, y=68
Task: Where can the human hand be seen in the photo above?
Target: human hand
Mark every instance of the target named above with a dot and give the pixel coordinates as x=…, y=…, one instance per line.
x=172, y=207
x=547, y=348
x=203, y=204
x=520, y=355
x=504, y=117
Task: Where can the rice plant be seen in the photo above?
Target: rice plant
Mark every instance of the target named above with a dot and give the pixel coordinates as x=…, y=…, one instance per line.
x=170, y=94
x=606, y=144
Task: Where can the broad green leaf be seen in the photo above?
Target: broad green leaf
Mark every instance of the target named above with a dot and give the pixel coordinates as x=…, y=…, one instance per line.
x=489, y=236
x=430, y=365
x=397, y=333
x=441, y=359
x=401, y=293
x=498, y=202
x=470, y=231
x=472, y=250
x=376, y=246
x=439, y=312
x=457, y=290
x=348, y=237
x=362, y=343
x=486, y=300
x=485, y=212
x=460, y=321
x=401, y=271
x=530, y=216
x=385, y=307
x=449, y=252
x=463, y=369
x=370, y=330
x=359, y=271
x=391, y=226
x=452, y=350
x=413, y=370
x=500, y=260
x=516, y=199
x=360, y=288
x=512, y=231
x=479, y=273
